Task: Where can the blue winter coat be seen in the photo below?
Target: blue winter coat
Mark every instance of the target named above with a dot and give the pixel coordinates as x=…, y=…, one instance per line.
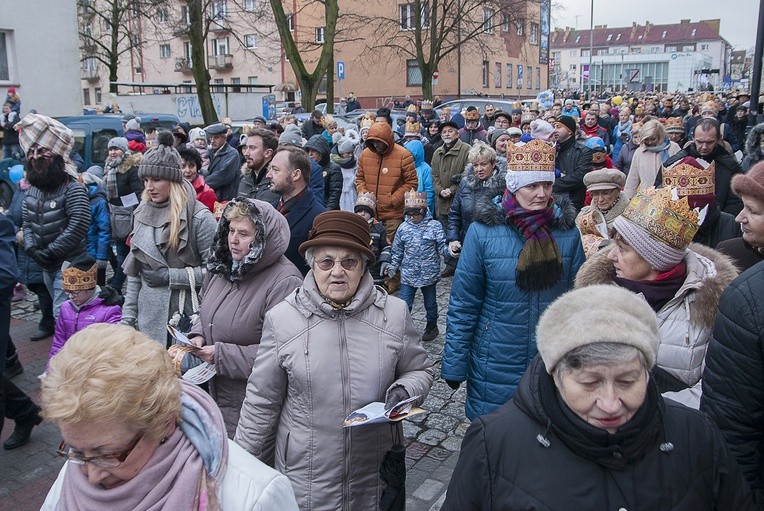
x=491, y=323
x=423, y=172
x=417, y=249
x=99, y=234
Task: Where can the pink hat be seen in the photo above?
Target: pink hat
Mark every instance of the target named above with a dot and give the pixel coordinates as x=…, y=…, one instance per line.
x=11, y=90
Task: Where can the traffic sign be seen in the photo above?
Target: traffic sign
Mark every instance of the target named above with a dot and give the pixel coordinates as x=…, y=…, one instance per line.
x=340, y=70
x=435, y=76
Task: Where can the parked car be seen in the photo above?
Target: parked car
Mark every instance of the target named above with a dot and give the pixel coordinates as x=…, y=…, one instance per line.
x=500, y=104
x=93, y=132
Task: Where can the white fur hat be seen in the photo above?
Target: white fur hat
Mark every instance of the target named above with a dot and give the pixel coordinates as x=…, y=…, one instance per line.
x=596, y=314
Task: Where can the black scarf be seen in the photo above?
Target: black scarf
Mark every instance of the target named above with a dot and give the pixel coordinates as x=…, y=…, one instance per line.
x=614, y=451
x=660, y=291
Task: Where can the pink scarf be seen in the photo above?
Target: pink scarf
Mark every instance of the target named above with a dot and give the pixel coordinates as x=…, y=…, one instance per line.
x=183, y=473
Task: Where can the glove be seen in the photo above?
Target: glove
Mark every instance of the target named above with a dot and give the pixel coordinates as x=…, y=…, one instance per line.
x=390, y=271
x=156, y=278
x=453, y=384
x=43, y=257
x=20, y=237
x=454, y=248
x=383, y=268
x=101, y=264
x=395, y=396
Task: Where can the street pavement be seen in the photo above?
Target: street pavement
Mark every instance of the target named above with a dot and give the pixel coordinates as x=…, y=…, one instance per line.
x=433, y=438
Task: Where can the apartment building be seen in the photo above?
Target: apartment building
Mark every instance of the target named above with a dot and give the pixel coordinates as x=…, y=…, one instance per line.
x=243, y=48
x=674, y=57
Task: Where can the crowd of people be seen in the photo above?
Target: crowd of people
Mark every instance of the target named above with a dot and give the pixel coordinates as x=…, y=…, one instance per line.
x=603, y=312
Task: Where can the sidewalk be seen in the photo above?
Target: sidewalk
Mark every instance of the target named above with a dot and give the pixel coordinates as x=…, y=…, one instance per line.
x=435, y=436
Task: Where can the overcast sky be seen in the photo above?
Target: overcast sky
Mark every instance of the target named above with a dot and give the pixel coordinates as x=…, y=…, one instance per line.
x=738, y=25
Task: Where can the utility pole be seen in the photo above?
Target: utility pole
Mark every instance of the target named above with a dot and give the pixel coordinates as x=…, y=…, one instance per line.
x=753, y=111
x=591, y=36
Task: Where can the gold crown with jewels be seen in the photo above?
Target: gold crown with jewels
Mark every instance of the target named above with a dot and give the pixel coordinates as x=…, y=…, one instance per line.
x=663, y=217
x=415, y=200
x=536, y=155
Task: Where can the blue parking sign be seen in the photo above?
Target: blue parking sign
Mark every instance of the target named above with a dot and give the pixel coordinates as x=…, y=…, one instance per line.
x=340, y=70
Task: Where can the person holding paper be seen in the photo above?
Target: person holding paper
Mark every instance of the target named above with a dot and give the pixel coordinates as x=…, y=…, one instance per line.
x=332, y=346
x=247, y=274
x=135, y=436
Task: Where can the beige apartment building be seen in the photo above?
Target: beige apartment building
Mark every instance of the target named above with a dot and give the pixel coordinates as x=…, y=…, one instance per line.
x=243, y=48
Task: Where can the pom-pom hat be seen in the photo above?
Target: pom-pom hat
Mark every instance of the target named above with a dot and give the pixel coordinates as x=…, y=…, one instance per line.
x=162, y=161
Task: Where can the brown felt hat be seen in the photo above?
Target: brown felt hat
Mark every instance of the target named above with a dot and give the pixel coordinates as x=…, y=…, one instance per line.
x=750, y=184
x=340, y=229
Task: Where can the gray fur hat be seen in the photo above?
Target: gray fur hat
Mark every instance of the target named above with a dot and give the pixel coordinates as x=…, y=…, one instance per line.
x=596, y=314
x=162, y=161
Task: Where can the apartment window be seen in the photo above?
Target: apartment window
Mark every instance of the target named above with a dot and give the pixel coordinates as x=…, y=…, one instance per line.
x=519, y=26
x=635, y=49
x=703, y=47
x=136, y=40
x=218, y=85
x=609, y=37
x=87, y=30
x=497, y=76
x=504, y=22
x=236, y=82
x=185, y=14
x=320, y=35
x=252, y=80
x=220, y=46
x=249, y=5
x=98, y=95
x=86, y=96
x=187, y=88
x=407, y=16
x=509, y=76
x=106, y=26
x=486, y=72
x=187, y=52
x=585, y=53
x=528, y=71
x=5, y=47
x=663, y=36
x=534, y=37
x=164, y=51
x=250, y=41
x=488, y=20
x=413, y=73
x=162, y=15
x=670, y=49
x=219, y=9
x=290, y=22
x=572, y=53
x=573, y=67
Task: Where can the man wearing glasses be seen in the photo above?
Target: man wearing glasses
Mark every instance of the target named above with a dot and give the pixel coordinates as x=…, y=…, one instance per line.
x=56, y=209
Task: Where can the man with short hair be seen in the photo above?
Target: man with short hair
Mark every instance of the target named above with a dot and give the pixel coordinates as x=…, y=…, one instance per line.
x=56, y=208
x=707, y=146
x=501, y=120
x=488, y=116
x=313, y=126
x=223, y=173
x=258, y=152
x=289, y=176
x=573, y=159
x=352, y=103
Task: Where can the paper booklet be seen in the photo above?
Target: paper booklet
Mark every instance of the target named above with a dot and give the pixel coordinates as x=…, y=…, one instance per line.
x=374, y=413
x=200, y=373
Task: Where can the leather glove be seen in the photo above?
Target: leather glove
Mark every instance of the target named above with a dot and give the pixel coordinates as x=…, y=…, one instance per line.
x=156, y=278
x=454, y=248
x=383, y=268
x=101, y=263
x=453, y=384
x=43, y=257
x=395, y=396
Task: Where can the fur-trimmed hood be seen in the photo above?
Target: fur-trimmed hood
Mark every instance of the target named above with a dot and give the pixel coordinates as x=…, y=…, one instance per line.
x=490, y=213
x=270, y=243
x=129, y=161
x=496, y=180
x=752, y=143
x=598, y=269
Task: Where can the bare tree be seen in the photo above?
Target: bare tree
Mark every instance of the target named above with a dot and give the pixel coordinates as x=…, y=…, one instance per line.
x=433, y=30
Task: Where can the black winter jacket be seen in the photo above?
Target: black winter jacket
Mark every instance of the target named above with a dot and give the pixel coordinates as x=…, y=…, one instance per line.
x=574, y=160
x=717, y=227
x=733, y=380
x=515, y=459
x=726, y=167
x=127, y=178
x=56, y=224
x=332, y=171
x=470, y=189
x=256, y=185
x=753, y=152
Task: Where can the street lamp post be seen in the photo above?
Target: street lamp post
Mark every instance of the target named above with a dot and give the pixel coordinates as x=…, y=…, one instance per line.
x=591, y=36
x=753, y=111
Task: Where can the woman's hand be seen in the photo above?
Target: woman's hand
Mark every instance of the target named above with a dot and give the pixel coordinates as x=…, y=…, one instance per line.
x=207, y=353
x=197, y=341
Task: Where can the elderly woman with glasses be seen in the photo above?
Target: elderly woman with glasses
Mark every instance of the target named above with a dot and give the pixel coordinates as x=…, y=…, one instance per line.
x=334, y=345
x=137, y=437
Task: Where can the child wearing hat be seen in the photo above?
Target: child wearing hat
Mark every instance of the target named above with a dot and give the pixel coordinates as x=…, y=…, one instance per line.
x=198, y=141
x=417, y=247
x=87, y=304
x=366, y=208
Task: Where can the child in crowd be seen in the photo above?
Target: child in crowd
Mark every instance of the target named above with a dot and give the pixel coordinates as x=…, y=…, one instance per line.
x=366, y=206
x=99, y=234
x=13, y=99
x=136, y=139
x=198, y=141
x=343, y=154
x=417, y=247
x=87, y=303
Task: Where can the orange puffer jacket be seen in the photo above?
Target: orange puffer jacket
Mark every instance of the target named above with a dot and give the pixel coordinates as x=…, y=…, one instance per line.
x=388, y=175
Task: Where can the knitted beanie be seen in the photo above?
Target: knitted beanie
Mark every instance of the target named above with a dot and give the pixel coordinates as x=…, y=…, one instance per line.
x=596, y=314
x=541, y=130
x=569, y=123
x=162, y=161
x=133, y=124
x=346, y=145
x=291, y=136
x=196, y=134
x=658, y=255
x=119, y=143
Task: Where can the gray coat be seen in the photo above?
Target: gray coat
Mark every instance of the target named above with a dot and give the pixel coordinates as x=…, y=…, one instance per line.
x=150, y=308
x=233, y=304
x=315, y=366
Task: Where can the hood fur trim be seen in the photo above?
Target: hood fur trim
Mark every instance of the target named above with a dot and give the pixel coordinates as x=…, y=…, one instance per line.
x=752, y=142
x=130, y=161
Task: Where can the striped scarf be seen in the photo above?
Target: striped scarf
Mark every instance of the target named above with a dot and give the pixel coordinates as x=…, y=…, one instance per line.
x=539, y=265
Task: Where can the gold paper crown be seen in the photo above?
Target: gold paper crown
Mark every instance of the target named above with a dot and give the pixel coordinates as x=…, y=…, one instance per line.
x=411, y=109
x=413, y=127
x=536, y=155
x=472, y=115
x=74, y=279
x=690, y=180
x=426, y=105
x=674, y=125
x=414, y=199
x=367, y=199
x=667, y=220
x=366, y=123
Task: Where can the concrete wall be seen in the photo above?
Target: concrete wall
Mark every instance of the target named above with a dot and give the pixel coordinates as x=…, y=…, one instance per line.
x=44, y=55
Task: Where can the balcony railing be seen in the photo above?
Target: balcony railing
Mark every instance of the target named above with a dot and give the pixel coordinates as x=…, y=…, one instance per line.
x=183, y=65
x=220, y=62
x=90, y=74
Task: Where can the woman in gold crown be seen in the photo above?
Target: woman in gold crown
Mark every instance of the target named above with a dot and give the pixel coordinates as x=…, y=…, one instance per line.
x=521, y=252
x=682, y=281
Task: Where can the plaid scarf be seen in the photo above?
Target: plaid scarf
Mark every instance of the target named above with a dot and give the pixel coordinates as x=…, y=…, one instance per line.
x=539, y=265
